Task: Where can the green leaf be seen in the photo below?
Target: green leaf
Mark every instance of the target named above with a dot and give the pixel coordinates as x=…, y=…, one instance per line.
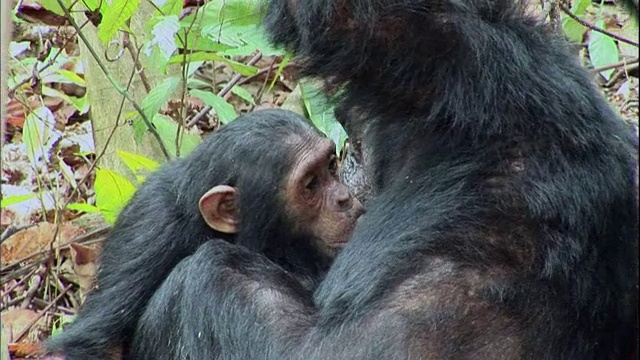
x=62, y=320
x=322, y=115
x=114, y=17
x=151, y=104
x=172, y=7
x=15, y=199
x=157, y=97
x=95, y=4
x=196, y=42
x=36, y=131
x=113, y=191
x=243, y=94
x=54, y=7
x=82, y=207
x=81, y=104
x=573, y=29
x=226, y=113
x=283, y=63
x=167, y=129
x=163, y=36
x=138, y=164
x=246, y=70
x=64, y=76
x=603, y=51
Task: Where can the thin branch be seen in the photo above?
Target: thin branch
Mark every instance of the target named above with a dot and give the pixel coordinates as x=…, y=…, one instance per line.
x=44, y=311
x=593, y=27
x=136, y=63
x=616, y=65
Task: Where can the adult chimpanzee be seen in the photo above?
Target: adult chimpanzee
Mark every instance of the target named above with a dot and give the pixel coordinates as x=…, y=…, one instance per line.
x=504, y=221
x=267, y=181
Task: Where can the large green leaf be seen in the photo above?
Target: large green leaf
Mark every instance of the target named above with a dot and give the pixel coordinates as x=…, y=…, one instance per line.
x=603, y=51
x=155, y=99
x=54, y=6
x=113, y=191
x=139, y=165
x=114, y=17
x=322, y=114
x=573, y=29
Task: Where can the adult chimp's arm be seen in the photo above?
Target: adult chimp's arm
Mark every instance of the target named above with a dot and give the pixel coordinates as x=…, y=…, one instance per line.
x=236, y=304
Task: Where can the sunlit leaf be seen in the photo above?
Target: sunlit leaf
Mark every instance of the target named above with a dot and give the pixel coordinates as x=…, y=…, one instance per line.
x=138, y=164
x=83, y=207
x=15, y=199
x=54, y=7
x=113, y=191
x=17, y=48
x=114, y=17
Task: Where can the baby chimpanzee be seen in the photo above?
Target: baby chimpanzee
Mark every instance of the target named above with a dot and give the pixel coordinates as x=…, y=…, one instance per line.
x=266, y=181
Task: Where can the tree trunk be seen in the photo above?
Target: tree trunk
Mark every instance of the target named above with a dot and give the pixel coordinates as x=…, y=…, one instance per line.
x=105, y=100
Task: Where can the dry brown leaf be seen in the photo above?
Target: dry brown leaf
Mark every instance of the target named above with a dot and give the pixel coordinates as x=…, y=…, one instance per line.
x=14, y=321
x=30, y=350
x=85, y=263
x=35, y=239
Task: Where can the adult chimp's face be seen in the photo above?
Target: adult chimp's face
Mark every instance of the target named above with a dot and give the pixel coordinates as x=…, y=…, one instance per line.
x=317, y=203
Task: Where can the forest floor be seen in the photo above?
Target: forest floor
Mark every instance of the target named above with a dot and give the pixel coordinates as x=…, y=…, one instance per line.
x=49, y=255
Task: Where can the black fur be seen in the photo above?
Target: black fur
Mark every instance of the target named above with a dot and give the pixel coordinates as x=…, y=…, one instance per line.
x=162, y=225
x=504, y=223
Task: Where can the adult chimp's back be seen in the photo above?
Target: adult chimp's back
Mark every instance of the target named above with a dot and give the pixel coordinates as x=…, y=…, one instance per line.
x=504, y=222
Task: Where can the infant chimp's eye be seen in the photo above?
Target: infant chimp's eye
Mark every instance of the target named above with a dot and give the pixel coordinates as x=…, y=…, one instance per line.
x=313, y=183
x=333, y=165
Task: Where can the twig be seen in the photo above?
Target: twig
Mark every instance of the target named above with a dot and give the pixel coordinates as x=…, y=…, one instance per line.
x=79, y=239
x=265, y=82
x=33, y=288
x=593, y=27
x=613, y=66
x=222, y=92
x=136, y=62
x=10, y=230
x=41, y=314
x=113, y=82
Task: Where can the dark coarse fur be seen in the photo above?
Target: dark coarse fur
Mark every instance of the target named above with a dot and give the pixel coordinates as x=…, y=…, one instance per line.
x=162, y=225
x=504, y=223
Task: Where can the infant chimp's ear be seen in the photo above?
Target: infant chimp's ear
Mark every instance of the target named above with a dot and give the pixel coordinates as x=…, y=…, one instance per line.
x=219, y=209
